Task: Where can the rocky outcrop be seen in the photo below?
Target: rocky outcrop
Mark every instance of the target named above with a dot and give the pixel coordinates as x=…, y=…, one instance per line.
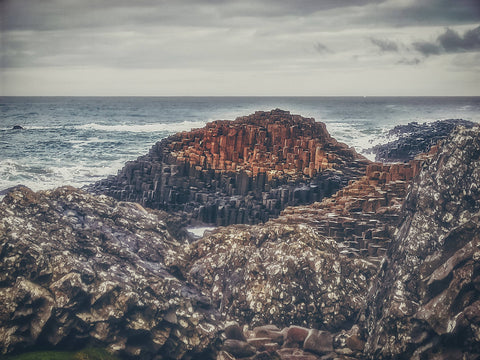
x=243, y=171
x=78, y=270
x=414, y=139
x=363, y=216
x=425, y=302
x=279, y=274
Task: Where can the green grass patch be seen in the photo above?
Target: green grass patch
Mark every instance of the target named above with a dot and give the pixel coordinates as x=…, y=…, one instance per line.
x=85, y=354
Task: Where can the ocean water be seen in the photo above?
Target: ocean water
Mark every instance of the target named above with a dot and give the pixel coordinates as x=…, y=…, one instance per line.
x=79, y=140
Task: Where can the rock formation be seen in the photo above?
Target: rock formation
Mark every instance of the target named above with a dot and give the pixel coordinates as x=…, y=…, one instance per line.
x=425, y=302
x=242, y=171
x=363, y=216
x=414, y=139
x=78, y=270
x=279, y=274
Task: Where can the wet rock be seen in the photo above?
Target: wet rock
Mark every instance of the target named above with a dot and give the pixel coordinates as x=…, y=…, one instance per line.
x=242, y=171
x=424, y=302
x=319, y=342
x=414, y=139
x=235, y=332
x=78, y=270
x=239, y=349
x=279, y=274
x=295, y=335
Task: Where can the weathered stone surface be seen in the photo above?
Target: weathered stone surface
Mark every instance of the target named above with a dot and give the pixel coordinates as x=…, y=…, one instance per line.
x=279, y=274
x=78, y=270
x=234, y=331
x=414, y=139
x=242, y=171
x=238, y=348
x=424, y=303
x=319, y=342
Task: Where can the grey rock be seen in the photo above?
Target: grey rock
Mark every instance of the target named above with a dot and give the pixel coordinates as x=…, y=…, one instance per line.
x=424, y=301
x=78, y=270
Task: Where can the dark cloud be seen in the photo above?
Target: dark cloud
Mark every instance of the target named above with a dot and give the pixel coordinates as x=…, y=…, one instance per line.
x=433, y=12
x=450, y=42
x=385, y=45
x=427, y=48
x=67, y=14
x=320, y=48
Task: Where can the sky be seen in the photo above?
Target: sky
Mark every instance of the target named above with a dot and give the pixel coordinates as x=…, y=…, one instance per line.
x=240, y=48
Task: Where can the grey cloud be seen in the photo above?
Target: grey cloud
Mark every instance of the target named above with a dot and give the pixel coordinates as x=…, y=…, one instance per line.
x=433, y=12
x=385, y=45
x=450, y=42
x=427, y=48
x=405, y=61
x=320, y=48
x=68, y=14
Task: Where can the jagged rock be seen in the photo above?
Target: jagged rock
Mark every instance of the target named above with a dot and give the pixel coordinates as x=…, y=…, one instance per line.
x=279, y=274
x=242, y=171
x=78, y=270
x=415, y=139
x=425, y=303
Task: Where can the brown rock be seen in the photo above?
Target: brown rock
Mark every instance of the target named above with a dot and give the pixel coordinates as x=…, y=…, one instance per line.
x=319, y=342
x=234, y=331
x=238, y=349
x=355, y=343
x=295, y=335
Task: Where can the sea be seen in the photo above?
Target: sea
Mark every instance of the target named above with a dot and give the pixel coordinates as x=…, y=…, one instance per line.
x=79, y=140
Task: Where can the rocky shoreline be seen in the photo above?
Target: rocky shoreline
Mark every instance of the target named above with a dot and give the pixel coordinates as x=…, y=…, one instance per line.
x=386, y=267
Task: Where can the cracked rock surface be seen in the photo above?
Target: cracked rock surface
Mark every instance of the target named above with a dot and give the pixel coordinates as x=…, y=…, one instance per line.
x=279, y=274
x=425, y=302
x=78, y=270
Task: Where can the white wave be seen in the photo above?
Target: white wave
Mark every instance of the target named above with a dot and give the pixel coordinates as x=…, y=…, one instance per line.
x=170, y=127
x=14, y=173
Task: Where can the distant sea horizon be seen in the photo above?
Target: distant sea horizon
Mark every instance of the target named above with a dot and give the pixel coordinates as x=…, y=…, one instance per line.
x=76, y=140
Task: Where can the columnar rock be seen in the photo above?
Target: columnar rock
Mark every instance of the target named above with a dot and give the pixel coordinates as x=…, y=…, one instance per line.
x=241, y=171
x=362, y=216
x=425, y=302
x=78, y=270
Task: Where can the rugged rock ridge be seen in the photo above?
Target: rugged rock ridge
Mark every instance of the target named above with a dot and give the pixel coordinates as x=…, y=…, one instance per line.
x=415, y=138
x=425, y=302
x=78, y=270
x=242, y=171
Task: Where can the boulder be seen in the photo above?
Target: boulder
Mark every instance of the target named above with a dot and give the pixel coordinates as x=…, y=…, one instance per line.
x=279, y=274
x=319, y=342
x=78, y=270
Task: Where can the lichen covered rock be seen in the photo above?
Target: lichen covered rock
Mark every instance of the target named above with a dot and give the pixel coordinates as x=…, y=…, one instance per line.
x=78, y=270
x=279, y=274
x=425, y=301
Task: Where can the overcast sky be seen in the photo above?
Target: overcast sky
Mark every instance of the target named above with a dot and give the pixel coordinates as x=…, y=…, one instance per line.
x=244, y=47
